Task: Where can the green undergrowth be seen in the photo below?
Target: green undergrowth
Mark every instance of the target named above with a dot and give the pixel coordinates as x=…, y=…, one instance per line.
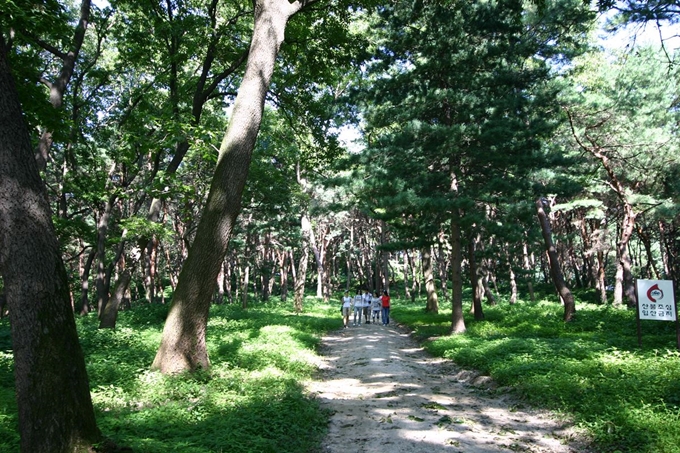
x=626, y=398
x=251, y=400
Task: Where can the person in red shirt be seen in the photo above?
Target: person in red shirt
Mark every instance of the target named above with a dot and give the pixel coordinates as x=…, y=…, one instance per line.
x=385, y=308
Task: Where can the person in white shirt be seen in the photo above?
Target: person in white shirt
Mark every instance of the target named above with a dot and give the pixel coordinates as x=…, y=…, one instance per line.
x=367, y=306
x=346, y=307
x=376, y=305
x=358, y=307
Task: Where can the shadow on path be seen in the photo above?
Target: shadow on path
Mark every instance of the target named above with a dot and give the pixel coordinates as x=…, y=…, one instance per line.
x=387, y=394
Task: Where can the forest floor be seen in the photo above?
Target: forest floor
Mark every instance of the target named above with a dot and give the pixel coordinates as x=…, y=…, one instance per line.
x=386, y=394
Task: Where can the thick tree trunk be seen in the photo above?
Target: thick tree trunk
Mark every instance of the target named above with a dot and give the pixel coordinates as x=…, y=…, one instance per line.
x=457, y=320
x=490, y=298
x=52, y=389
x=108, y=318
x=183, y=344
x=101, y=282
x=432, y=305
x=556, y=272
x=623, y=287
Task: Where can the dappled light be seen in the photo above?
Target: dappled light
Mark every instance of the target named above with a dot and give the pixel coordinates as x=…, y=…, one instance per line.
x=387, y=394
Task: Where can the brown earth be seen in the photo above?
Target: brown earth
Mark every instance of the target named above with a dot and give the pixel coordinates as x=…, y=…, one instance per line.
x=386, y=394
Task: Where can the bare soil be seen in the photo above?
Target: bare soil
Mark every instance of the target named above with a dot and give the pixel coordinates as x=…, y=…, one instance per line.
x=386, y=394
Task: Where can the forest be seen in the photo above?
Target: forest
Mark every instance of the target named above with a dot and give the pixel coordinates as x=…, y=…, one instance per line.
x=191, y=154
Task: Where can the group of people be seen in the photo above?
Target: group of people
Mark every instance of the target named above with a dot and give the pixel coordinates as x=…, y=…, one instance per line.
x=372, y=308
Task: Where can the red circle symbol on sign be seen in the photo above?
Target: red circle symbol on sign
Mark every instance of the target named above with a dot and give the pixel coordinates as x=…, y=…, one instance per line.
x=654, y=293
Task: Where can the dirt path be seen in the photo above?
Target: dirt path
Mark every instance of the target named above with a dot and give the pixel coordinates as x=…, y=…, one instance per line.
x=388, y=395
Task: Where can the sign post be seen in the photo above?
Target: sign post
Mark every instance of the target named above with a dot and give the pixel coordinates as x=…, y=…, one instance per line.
x=656, y=301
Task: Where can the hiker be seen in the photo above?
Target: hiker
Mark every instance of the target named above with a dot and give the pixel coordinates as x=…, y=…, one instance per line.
x=346, y=307
x=367, y=306
x=385, y=308
x=358, y=307
x=376, y=305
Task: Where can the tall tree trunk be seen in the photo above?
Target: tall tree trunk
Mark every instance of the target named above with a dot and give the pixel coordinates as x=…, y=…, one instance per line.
x=58, y=86
x=55, y=410
x=476, y=277
x=415, y=281
x=665, y=248
x=302, y=266
x=528, y=268
x=384, y=257
x=513, y=280
x=150, y=262
x=101, y=281
x=490, y=298
x=432, y=304
x=624, y=284
x=283, y=264
x=85, y=282
x=457, y=320
x=601, y=283
x=319, y=258
x=652, y=271
x=219, y=297
x=407, y=291
x=556, y=272
x=245, y=283
x=183, y=343
x=588, y=253
x=442, y=265
x=108, y=318
x=350, y=247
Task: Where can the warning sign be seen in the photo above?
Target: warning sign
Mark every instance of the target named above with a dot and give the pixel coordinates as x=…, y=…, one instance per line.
x=656, y=300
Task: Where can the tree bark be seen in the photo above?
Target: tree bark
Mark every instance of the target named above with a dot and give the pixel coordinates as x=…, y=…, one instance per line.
x=302, y=266
x=555, y=271
x=601, y=283
x=528, y=268
x=183, y=343
x=457, y=321
x=101, y=283
x=442, y=265
x=52, y=389
x=431, y=289
x=384, y=257
x=108, y=317
x=85, y=282
x=476, y=279
x=58, y=86
x=652, y=271
x=513, y=279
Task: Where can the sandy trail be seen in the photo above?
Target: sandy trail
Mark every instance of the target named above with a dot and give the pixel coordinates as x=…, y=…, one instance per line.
x=388, y=395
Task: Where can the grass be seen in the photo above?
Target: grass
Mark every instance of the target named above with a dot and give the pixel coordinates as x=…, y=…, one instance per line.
x=625, y=397
x=251, y=400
